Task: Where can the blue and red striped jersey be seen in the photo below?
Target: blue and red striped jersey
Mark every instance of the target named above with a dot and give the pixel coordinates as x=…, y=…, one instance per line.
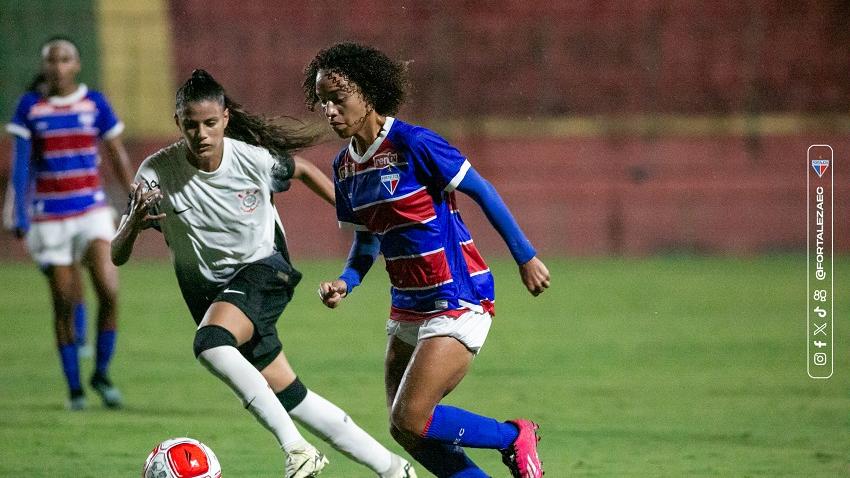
x=402, y=190
x=64, y=132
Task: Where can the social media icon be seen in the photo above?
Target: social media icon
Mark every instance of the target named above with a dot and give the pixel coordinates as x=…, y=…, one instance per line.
x=820, y=344
x=819, y=358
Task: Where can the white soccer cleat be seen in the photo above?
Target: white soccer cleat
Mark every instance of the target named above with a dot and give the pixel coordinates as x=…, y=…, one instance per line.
x=400, y=468
x=305, y=462
x=110, y=395
x=76, y=403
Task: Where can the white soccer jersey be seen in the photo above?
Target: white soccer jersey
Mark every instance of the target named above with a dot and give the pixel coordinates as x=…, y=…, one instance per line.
x=215, y=221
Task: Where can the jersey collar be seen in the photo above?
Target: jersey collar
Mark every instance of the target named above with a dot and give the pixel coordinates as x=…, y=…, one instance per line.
x=385, y=130
x=74, y=97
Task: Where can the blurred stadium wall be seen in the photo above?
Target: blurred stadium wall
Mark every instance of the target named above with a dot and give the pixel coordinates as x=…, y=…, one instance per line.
x=609, y=127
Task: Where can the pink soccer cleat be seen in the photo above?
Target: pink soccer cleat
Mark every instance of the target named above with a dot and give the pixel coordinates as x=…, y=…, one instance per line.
x=521, y=457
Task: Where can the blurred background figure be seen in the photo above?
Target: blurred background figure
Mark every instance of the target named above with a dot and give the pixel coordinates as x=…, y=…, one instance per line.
x=619, y=129
x=58, y=205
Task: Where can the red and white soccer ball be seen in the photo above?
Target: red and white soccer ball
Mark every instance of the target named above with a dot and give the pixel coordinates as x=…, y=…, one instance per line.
x=181, y=458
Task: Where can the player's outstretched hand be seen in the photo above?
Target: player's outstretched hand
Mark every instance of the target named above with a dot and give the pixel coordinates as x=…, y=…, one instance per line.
x=535, y=276
x=332, y=293
x=143, y=206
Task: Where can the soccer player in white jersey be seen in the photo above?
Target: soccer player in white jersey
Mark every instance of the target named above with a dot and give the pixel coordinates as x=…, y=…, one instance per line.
x=395, y=186
x=56, y=202
x=210, y=196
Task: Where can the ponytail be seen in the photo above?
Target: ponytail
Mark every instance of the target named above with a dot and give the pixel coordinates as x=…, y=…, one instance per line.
x=280, y=135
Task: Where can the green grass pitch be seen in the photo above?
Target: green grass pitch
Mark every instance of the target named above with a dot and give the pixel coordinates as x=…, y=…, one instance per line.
x=676, y=366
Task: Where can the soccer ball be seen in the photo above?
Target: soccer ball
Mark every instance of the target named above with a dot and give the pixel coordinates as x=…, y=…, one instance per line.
x=181, y=458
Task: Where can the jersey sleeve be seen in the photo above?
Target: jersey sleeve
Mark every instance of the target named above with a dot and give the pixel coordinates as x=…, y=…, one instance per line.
x=107, y=122
x=441, y=163
x=20, y=125
x=147, y=176
x=344, y=211
x=282, y=170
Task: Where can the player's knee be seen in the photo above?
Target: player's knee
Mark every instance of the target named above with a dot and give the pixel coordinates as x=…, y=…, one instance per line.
x=407, y=441
x=212, y=336
x=396, y=433
x=407, y=421
x=292, y=396
x=108, y=297
x=64, y=300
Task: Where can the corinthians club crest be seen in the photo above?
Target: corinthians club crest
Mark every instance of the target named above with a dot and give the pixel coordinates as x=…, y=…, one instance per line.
x=249, y=200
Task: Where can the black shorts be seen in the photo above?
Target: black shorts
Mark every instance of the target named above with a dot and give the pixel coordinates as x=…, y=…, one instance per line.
x=261, y=290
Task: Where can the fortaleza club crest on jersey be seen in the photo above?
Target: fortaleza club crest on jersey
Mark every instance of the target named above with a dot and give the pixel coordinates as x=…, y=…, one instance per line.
x=249, y=200
x=820, y=165
x=390, y=181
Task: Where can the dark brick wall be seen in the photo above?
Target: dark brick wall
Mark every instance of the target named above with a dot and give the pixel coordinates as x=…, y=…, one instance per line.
x=584, y=194
x=592, y=196
x=520, y=57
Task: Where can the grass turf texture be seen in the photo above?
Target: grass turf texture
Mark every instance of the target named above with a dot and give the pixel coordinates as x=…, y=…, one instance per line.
x=675, y=366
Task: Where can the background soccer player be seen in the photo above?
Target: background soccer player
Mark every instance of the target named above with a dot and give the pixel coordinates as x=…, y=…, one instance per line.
x=395, y=186
x=210, y=196
x=61, y=208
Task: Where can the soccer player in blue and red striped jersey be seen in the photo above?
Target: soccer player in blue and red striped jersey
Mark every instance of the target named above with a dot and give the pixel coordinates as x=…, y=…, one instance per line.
x=395, y=186
x=59, y=205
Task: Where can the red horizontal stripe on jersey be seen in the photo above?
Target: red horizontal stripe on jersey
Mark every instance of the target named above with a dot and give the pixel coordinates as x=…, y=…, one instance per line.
x=382, y=217
x=66, y=184
x=69, y=141
x=404, y=315
x=419, y=272
x=474, y=261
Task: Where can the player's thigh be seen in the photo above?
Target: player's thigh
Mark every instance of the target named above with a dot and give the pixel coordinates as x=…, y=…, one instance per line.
x=395, y=363
x=231, y=318
x=103, y=272
x=437, y=366
x=279, y=373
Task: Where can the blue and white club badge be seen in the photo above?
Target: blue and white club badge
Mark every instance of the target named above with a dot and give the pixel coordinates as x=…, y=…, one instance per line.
x=820, y=165
x=390, y=181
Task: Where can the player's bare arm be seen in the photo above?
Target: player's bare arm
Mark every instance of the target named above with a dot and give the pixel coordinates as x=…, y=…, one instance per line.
x=314, y=178
x=138, y=217
x=120, y=160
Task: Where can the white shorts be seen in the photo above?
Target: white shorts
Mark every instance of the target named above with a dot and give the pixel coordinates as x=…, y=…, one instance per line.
x=470, y=329
x=65, y=241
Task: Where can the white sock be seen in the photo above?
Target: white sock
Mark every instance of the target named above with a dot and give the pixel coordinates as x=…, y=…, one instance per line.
x=232, y=368
x=333, y=425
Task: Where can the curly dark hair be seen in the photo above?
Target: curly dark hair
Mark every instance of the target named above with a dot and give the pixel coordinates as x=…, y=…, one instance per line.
x=382, y=81
x=281, y=135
